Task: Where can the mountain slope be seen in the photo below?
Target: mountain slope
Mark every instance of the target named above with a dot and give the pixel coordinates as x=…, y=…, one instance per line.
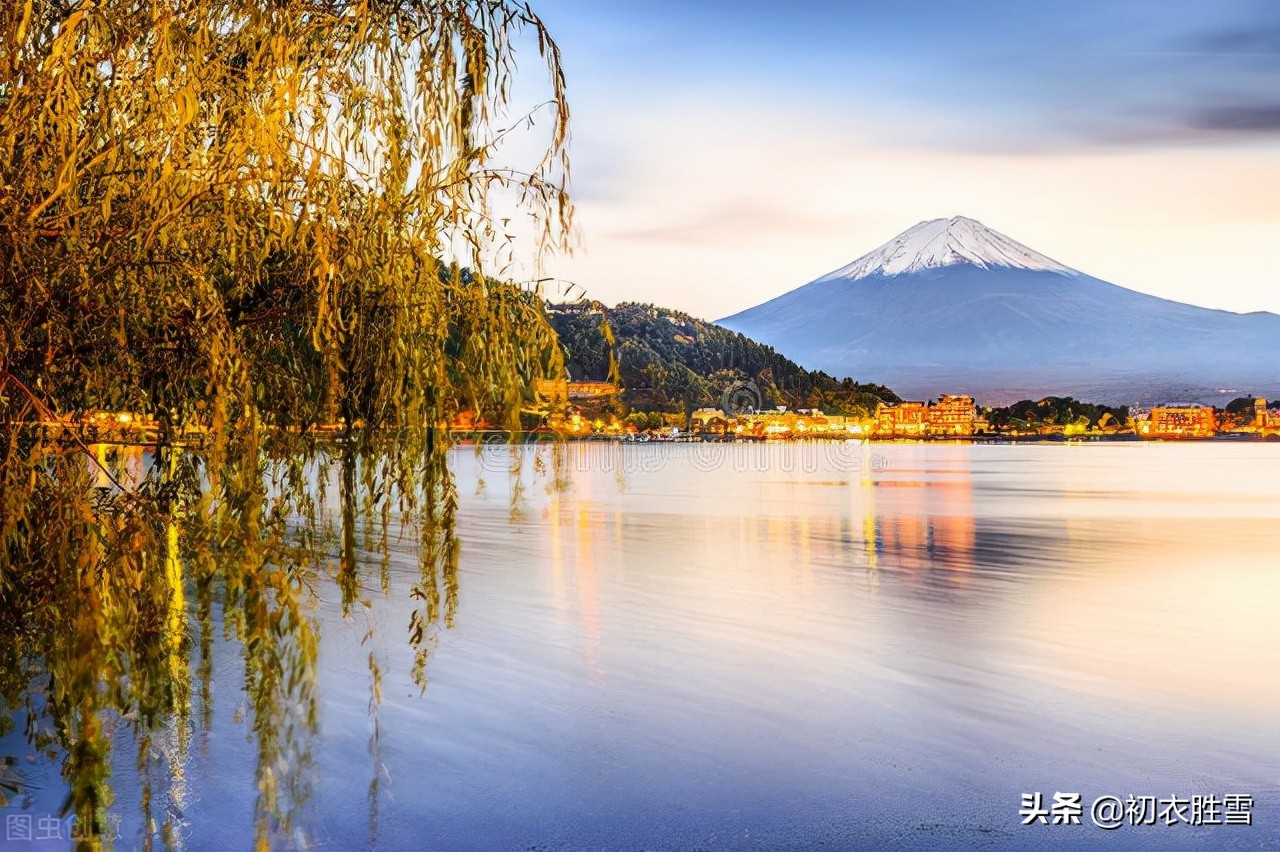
x=671, y=361
x=952, y=306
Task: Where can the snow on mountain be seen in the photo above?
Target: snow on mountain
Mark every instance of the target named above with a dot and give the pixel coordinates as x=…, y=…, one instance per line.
x=946, y=242
x=952, y=306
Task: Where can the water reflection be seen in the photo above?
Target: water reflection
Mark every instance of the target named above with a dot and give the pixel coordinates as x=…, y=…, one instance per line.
x=574, y=577
x=130, y=562
x=878, y=646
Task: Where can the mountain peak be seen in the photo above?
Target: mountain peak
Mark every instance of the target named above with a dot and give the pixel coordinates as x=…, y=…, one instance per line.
x=947, y=242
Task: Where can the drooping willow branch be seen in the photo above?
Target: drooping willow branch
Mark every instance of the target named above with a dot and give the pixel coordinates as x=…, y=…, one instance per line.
x=243, y=220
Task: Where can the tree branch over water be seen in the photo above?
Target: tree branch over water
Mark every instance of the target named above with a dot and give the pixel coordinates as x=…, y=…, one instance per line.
x=229, y=218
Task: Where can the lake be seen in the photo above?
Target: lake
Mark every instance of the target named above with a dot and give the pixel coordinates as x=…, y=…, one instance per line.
x=792, y=645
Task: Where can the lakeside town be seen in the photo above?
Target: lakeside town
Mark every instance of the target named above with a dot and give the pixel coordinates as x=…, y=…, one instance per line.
x=950, y=417
x=584, y=412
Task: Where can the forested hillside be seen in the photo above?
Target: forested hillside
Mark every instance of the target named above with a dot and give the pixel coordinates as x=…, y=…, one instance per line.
x=670, y=361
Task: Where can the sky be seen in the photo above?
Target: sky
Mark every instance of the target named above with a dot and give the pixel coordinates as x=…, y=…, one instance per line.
x=726, y=152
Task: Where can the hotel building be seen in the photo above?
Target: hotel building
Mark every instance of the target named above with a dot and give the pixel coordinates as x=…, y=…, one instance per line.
x=1179, y=421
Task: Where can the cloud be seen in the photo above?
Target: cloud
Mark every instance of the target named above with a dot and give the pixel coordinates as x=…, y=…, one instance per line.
x=987, y=76
x=1207, y=84
x=737, y=220
x=1247, y=118
x=1260, y=39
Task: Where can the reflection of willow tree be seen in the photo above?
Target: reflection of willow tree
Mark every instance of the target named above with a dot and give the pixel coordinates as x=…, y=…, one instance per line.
x=225, y=215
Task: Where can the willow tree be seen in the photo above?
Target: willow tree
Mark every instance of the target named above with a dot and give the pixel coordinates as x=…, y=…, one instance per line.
x=245, y=220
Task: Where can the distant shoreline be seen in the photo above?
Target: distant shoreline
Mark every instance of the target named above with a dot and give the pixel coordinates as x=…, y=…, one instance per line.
x=545, y=437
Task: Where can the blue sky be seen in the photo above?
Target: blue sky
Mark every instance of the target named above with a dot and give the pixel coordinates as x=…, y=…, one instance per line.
x=727, y=151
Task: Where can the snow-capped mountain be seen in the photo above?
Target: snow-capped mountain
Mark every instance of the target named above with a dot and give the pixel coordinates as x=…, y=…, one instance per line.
x=951, y=305
x=947, y=242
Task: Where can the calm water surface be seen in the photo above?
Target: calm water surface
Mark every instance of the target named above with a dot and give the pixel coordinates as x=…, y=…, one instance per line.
x=791, y=645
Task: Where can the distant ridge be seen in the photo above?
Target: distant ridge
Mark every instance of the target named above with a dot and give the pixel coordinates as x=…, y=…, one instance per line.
x=953, y=305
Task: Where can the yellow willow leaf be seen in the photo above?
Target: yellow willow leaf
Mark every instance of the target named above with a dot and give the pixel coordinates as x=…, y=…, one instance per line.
x=64, y=43
x=188, y=106
x=24, y=22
